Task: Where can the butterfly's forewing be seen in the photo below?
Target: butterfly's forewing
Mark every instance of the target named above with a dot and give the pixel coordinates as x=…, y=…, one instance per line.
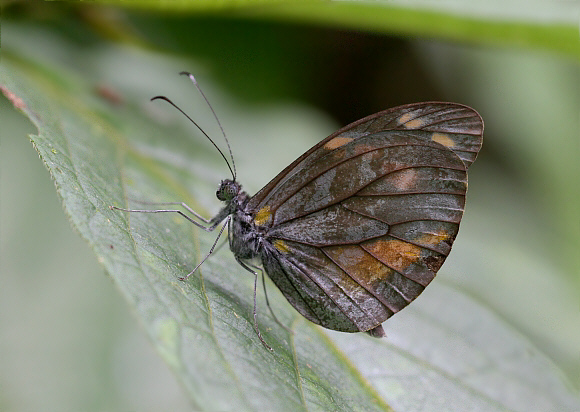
x=459, y=123
x=360, y=224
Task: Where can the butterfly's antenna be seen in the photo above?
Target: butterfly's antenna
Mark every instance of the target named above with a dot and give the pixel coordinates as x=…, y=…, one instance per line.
x=232, y=171
x=215, y=116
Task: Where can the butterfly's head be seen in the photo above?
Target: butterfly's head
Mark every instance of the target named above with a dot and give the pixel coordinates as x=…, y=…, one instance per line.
x=228, y=190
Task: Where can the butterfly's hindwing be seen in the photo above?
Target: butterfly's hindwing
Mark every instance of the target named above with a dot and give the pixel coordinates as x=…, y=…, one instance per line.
x=322, y=291
x=313, y=300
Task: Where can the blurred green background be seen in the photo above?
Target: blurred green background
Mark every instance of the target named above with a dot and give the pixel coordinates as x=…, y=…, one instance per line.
x=68, y=341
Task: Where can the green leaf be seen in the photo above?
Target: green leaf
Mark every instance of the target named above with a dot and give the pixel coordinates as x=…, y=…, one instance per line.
x=105, y=144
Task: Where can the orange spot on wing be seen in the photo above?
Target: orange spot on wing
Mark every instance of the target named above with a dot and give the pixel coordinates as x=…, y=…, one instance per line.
x=337, y=142
x=359, y=264
x=443, y=139
x=433, y=238
x=394, y=252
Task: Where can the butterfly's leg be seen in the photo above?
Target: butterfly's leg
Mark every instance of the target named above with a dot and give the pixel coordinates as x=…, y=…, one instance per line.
x=245, y=266
x=267, y=300
x=207, y=225
x=220, y=245
x=210, y=251
x=199, y=225
x=182, y=204
x=269, y=307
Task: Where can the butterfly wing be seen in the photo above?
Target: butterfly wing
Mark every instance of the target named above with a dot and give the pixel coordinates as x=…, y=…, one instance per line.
x=455, y=126
x=359, y=225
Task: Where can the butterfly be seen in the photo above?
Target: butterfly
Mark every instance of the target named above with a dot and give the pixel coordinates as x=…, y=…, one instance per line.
x=354, y=230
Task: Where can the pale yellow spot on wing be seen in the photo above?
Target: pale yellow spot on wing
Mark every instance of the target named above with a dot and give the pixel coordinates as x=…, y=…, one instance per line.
x=415, y=124
x=433, y=238
x=280, y=245
x=405, y=118
x=337, y=142
x=263, y=216
x=406, y=179
x=443, y=139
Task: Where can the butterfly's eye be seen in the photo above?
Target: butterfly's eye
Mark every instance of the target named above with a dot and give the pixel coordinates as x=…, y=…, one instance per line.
x=227, y=190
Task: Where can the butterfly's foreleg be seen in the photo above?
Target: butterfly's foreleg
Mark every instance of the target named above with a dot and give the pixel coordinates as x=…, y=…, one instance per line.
x=245, y=266
x=211, y=227
x=182, y=204
x=206, y=224
x=210, y=250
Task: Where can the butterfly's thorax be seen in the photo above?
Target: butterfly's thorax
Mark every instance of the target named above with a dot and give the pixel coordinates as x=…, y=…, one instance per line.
x=245, y=240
